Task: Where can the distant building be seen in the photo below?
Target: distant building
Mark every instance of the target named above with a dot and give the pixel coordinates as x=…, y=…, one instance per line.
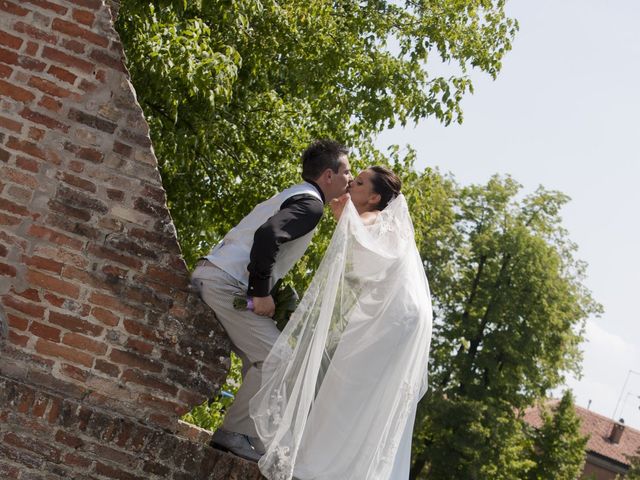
x=609, y=447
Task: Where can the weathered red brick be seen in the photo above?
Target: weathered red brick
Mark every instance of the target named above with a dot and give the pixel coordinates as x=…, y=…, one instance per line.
x=105, y=316
x=177, y=279
x=103, y=252
x=12, y=8
x=135, y=376
x=76, y=181
x=16, y=176
x=73, y=30
x=129, y=246
x=91, y=4
x=52, y=283
x=15, y=92
x=75, y=324
x=87, y=86
x=62, y=74
x=49, y=87
x=77, y=460
x=29, y=294
x=32, y=48
x=78, y=199
x=134, y=360
x=76, y=166
x=5, y=71
x=4, y=157
x=42, y=119
x=83, y=16
x=17, y=339
x=42, y=263
x=9, y=206
x=73, y=45
x=17, y=322
x=51, y=349
x=115, y=195
x=9, y=40
x=9, y=124
x=122, y=148
x=36, y=133
x=161, y=404
x=43, y=449
x=107, y=368
x=66, y=59
x=139, y=346
x=45, y=331
x=27, y=308
x=59, y=9
x=104, y=58
x=7, y=270
x=3, y=251
x=50, y=103
x=74, y=372
x=85, y=153
x=24, y=61
x=35, y=33
x=21, y=195
x=92, y=121
x=115, y=473
x=54, y=237
x=68, y=439
x=61, y=255
x=67, y=211
x=139, y=329
x=54, y=411
x=40, y=406
x=26, y=147
x=84, y=343
x=183, y=361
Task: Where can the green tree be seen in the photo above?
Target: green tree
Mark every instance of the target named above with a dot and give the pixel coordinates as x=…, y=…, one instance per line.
x=509, y=309
x=634, y=467
x=234, y=90
x=558, y=447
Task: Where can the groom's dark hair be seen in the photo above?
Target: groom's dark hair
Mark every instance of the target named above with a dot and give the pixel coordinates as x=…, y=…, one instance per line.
x=319, y=156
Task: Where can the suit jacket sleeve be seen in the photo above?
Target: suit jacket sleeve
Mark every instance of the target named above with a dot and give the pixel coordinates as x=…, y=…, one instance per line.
x=297, y=216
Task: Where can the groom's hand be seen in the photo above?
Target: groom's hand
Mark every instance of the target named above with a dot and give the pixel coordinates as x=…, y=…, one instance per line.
x=264, y=306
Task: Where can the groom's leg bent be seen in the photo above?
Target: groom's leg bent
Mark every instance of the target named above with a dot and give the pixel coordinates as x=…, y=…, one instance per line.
x=252, y=336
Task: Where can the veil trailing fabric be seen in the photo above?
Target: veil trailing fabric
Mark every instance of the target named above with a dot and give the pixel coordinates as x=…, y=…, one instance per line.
x=341, y=384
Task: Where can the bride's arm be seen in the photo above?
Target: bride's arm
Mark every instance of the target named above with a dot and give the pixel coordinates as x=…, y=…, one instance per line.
x=337, y=205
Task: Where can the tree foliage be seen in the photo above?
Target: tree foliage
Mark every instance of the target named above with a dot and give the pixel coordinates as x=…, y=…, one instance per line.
x=634, y=467
x=234, y=90
x=509, y=314
x=558, y=446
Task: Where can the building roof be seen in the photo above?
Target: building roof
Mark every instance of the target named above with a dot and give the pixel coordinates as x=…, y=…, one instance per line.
x=598, y=428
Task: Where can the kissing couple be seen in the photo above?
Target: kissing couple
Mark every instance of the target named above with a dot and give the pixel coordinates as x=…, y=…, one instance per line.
x=334, y=395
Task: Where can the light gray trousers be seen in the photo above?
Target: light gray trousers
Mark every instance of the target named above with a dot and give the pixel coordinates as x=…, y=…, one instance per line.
x=252, y=337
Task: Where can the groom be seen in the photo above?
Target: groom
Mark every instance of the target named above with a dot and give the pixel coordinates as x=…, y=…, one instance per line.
x=248, y=261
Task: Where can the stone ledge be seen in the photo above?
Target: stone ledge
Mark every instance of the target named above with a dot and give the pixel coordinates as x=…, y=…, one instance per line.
x=43, y=432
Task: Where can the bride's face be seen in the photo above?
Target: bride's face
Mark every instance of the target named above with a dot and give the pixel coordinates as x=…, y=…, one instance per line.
x=363, y=196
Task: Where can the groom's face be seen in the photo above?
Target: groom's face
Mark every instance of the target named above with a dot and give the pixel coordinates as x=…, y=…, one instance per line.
x=340, y=181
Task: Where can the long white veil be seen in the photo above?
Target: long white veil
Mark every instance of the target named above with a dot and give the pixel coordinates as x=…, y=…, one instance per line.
x=340, y=385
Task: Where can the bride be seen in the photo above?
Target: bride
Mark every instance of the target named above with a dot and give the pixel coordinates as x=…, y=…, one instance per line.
x=341, y=384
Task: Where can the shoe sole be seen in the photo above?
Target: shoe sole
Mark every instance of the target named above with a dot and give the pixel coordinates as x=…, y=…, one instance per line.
x=222, y=448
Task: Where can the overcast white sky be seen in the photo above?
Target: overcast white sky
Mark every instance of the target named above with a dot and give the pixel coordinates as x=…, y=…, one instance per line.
x=564, y=113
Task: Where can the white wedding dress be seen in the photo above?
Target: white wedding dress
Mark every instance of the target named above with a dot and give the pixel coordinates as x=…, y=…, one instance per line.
x=341, y=384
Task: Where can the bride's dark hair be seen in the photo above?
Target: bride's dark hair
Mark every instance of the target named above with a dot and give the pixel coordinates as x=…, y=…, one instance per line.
x=386, y=184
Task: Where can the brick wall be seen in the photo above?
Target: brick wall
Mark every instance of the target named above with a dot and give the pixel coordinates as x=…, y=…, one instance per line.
x=102, y=343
